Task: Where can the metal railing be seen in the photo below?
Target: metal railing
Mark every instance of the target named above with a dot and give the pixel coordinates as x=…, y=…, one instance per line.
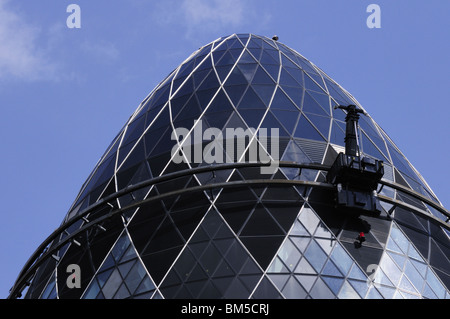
x=49, y=247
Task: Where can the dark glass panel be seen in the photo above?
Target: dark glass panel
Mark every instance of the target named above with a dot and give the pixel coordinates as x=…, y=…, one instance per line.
x=270, y=58
x=260, y=223
x=261, y=77
x=264, y=91
x=310, y=105
x=223, y=71
x=251, y=101
x=322, y=123
x=236, y=77
x=266, y=290
x=246, y=58
x=281, y=101
x=218, y=54
x=271, y=122
x=337, y=134
x=287, y=80
x=322, y=99
x=185, y=69
x=134, y=130
x=210, y=82
x=235, y=92
x=254, y=43
x=204, y=97
x=287, y=118
x=273, y=70
x=227, y=59
x=263, y=249
x=252, y=116
x=306, y=130
x=295, y=94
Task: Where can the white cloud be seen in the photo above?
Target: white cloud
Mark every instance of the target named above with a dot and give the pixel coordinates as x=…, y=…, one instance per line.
x=213, y=12
x=104, y=51
x=20, y=56
x=199, y=16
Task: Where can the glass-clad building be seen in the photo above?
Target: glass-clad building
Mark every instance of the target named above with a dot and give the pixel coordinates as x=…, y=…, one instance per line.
x=217, y=187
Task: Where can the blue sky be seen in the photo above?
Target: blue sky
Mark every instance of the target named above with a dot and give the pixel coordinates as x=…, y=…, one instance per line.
x=65, y=93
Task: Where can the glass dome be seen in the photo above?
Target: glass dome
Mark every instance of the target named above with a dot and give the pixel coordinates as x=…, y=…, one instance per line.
x=171, y=212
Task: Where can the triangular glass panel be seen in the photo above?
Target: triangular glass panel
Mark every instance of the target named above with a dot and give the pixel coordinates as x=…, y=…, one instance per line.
x=236, y=77
x=248, y=71
x=261, y=77
x=235, y=92
x=254, y=43
x=335, y=284
x=218, y=54
x=236, y=53
x=293, y=289
x=282, y=102
x=312, y=106
x=322, y=123
x=269, y=46
x=251, y=101
x=206, y=64
x=341, y=259
x=264, y=91
x=370, y=149
x=316, y=256
x=304, y=267
x=255, y=52
x=288, y=80
x=318, y=79
x=185, y=69
x=279, y=280
x=246, y=58
x=337, y=134
x=295, y=94
x=330, y=269
x=298, y=230
x=204, y=98
x=306, y=281
x=311, y=85
x=252, y=117
x=277, y=266
x=273, y=70
x=297, y=74
x=271, y=122
x=286, y=62
x=219, y=104
x=266, y=290
x=287, y=118
x=322, y=99
x=289, y=254
x=227, y=59
x=267, y=58
x=261, y=223
x=223, y=71
x=347, y=292
x=125, y=268
x=210, y=82
x=306, y=130
x=305, y=65
x=237, y=44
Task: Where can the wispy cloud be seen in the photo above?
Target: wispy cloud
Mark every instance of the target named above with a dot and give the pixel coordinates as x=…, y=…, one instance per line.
x=199, y=16
x=21, y=57
x=213, y=12
x=104, y=51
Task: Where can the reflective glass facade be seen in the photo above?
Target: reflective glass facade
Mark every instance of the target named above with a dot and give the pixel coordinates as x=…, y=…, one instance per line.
x=144, y=226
